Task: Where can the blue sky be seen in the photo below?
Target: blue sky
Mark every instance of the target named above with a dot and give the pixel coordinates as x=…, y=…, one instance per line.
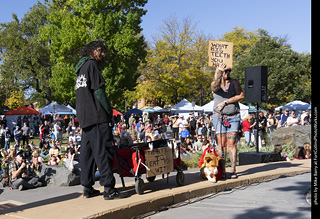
x=290, y=18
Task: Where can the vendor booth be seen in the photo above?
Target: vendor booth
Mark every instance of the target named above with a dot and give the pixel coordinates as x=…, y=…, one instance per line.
x=13, y=114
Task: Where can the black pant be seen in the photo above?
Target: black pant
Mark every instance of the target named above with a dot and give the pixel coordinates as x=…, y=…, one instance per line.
x=97, y=151
x=175, y=132
x=25, y=138
x=27, y=183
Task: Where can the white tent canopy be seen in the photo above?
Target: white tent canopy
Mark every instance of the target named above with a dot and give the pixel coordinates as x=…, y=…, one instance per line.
x=160, y=109
x=185, y=105
x=208, y=107
x=243, y=109
x=56, y=108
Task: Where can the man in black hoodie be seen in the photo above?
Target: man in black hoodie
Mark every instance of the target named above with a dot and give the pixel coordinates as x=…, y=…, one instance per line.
x=96, y=120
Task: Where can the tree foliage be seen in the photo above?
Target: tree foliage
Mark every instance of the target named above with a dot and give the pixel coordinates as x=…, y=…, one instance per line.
x=38, y=55
x=25, y=62
x=242, y=40
x=176, y=65
x=72, y=24
x=289, y=73
x=16, y=99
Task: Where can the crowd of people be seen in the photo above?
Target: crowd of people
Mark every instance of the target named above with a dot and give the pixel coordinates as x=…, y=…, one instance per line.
x=22, y=159
x=193, y=130
x=268, y=122
x=194, y=133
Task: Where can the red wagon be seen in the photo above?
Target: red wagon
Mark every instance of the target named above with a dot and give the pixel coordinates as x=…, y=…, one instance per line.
x=133, y=162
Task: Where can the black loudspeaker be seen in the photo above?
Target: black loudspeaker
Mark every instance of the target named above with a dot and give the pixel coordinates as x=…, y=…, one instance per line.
x=254, y=157
x=256, y=81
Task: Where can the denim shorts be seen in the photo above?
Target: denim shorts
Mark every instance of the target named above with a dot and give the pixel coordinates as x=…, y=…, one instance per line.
x=222, y=128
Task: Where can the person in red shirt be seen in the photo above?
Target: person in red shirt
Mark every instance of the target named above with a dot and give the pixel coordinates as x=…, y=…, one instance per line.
x=166, y=120
x=247, y=128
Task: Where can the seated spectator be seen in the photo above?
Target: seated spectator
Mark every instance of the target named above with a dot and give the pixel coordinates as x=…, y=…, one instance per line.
x=189, y=143
x=51, y=142
x=299, y=154
x=20, y=175
x=69, y=161
x=31, y=145
x=71, y=145
x=205, y=145
x=6, y=156
x=45, y=150
x=307, y=148
x=198, y=144
x=35, y=155
x=125, y=137
x=12, y=148
x=54, y=160
x=78, y=138
x=54, y=151
x=58, y=145
x=28, y=153
x=36, y=161
x=77, y=148
x=187, y=148
x=41, y=143
x=183, y=149
x=72, y=137
x=6, y=159
x=16, y=146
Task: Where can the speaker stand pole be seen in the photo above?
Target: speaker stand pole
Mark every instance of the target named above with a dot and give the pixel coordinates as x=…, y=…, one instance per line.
x=257, y=127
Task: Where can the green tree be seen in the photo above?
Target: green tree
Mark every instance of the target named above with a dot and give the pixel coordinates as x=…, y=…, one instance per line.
x=176, y=65
x=25, y=62
x=242, y=40
x=73, y=24
x=289, y=73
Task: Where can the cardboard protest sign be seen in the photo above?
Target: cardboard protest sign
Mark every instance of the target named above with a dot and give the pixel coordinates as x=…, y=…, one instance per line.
x=220, y=52
x=159, y=160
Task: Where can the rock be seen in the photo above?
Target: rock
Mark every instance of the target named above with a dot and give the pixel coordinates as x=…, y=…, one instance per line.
x=59, y=175
x=294, y=136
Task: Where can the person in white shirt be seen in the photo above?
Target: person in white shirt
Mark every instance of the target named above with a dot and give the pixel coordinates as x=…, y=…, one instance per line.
x=181, y=122
x=293, y=119
x=56, y=129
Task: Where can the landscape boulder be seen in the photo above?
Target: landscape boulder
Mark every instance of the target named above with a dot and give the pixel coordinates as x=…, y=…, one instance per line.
x=59, y=175
x=294, y=136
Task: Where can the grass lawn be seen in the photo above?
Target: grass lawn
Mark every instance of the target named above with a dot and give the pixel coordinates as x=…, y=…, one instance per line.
x=36, y=142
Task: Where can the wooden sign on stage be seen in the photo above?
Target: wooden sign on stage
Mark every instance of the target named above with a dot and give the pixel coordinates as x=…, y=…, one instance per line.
x=220, y=52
